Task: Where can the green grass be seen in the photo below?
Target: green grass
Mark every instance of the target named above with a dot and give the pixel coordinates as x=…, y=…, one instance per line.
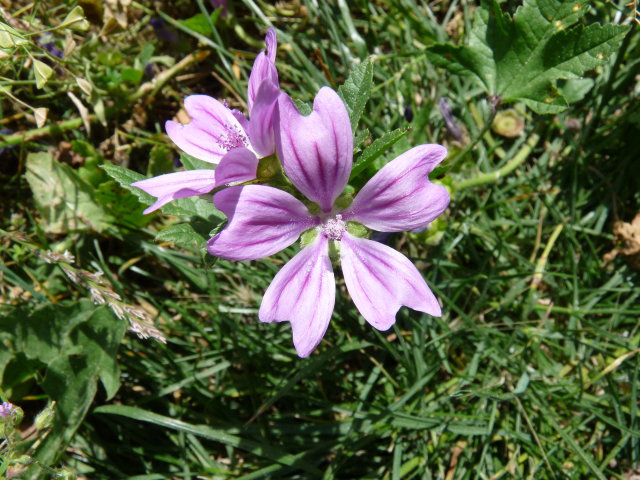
x=532, y=371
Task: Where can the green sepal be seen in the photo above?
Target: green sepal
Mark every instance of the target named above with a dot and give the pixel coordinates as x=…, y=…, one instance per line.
x=308, y=237
x=357, y=229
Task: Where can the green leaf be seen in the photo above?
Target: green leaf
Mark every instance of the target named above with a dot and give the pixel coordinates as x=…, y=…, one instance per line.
x=200, y=23
x=160, y=161
x=131, y=75
x=65, y=201
x=10, y=37
x=522, y=384
x=376, y=149
x=183, y=235
x=77, y=345
x=356, y=90
x=42, y=72
x=75, y=20
x=522, y=58
x=193, y=163
x=183, y=207
x=125, y=178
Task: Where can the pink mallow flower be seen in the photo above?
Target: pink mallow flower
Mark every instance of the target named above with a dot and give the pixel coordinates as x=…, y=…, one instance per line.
x=316, y=153
x=7, y=409
x=222, y=136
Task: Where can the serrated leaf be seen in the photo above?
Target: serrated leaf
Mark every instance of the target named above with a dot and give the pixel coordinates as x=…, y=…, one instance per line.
x=77, y=345
x=192, y=163
x=183, y=207
x=10, y=37
x=521, y=58
x=183, y=235
x=194, y=207
x=42, y=72
x=356, y=91
x=125, y=178
x=376, y=149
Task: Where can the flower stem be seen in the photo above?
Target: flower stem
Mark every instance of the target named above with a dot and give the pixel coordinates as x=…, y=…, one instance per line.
x=29, y=135
x=517, y=160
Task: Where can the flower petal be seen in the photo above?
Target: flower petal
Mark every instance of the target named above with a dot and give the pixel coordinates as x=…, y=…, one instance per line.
x=271, y=42
x=239, y=165
x=317, y=150
x=212, y=132
x=261, y=221
x=400, y=196
x=171, y=186
x=242, y=119
x=303, y=293
x=261, y=125
x=264, y=69
x=380, y=280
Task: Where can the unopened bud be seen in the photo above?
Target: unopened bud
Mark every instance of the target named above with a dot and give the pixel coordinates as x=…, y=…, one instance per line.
x=45, y=417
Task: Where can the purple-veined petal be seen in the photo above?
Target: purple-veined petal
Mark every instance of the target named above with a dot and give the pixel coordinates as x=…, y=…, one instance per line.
x=380, y=280
x=261, y=221
x=237, y=166
x=172, y=186
x=316, y=150
x=242, y=119
x=212, y=132
x=400, y=196
x=261, y=126
x=264, y=69
x=303, y=293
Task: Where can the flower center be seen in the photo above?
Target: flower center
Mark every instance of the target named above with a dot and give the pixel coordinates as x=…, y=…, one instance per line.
x=333, y=228
x=234, y=138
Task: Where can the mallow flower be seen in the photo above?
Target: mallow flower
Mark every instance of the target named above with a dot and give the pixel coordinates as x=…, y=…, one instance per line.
x=316, y=153
x=222, y=136
x=7, y=409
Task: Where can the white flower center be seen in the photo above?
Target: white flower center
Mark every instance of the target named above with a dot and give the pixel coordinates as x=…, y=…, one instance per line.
x=234, y=138
x=333, y=228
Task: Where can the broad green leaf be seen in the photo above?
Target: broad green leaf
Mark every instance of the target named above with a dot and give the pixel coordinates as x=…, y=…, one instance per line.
x=200, y=23
x=131, y=75
x=356, y=90
x=183, y=235
x=65, y=201
x=121, y=204
x=522, y=58
x=125, y=178
x=193, y=163
x=194, y=207
x=76, y=346
x=42, y=72
x=10, y=37
x=377, y=148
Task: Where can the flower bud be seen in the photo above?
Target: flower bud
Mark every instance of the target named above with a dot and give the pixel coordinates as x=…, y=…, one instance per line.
x=45, y=417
